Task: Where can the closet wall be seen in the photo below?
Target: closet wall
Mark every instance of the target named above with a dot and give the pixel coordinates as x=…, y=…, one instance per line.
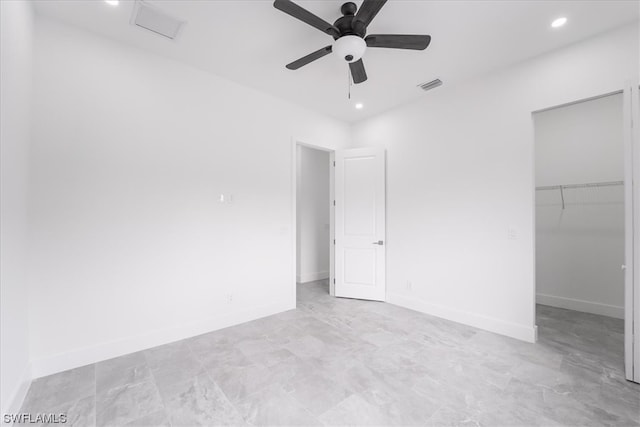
x=580, y=249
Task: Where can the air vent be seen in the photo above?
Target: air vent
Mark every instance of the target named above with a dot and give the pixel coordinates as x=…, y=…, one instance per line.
x=430, y=85
x=151, y=18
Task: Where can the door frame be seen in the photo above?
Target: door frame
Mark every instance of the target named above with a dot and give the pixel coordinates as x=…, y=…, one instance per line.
x=295, y=142
x=631, y=108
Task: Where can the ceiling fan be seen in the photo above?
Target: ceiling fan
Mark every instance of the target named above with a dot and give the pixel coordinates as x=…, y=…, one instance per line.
x=349, y=33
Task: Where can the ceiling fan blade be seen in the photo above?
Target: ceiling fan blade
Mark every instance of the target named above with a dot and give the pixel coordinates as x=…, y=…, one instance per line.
x=357, y=71
x=309, y=58
x=398, y=41
x=368, y=10
x=298, y=12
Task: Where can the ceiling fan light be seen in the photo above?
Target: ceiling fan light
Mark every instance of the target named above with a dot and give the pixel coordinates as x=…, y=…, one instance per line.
x=350, y=48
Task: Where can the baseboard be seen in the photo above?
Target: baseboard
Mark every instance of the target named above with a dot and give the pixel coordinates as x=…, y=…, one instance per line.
x=581, y=305
x=312, y=277
x=16, y=399
x=492, y=324
x=88, y=355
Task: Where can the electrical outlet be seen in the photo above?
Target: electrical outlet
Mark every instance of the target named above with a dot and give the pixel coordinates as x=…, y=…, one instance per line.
x=408, y=285
x=225, y=198
x=229, y=298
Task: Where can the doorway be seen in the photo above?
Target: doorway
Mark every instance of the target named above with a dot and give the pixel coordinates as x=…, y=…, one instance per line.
x=313, y=217
x=581, y=230
x=339, y=210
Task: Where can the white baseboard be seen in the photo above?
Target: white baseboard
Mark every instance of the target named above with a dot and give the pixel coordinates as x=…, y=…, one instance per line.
x=492, y=324
x=581, y=305
x=312, y=277
x=88, y=355
x=15, y=401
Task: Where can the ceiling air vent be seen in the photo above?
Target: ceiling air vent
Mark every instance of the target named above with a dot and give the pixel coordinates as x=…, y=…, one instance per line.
x=151, y=18
x=430, y=85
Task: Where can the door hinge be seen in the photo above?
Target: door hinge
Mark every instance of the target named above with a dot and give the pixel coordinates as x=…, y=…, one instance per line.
x=334, y=280
x=334, y=241
x=334, y=164
x=334, y=203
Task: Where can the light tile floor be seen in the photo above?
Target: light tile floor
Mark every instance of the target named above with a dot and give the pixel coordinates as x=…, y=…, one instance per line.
x=350, y=362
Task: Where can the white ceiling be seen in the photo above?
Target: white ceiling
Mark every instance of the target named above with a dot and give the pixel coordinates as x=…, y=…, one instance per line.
x=250, y=42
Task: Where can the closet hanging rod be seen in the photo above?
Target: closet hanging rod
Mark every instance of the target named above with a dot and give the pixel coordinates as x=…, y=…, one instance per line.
x=588, y=185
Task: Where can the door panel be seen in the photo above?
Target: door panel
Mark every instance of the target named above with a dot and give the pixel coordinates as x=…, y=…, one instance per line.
x=360, y=223
x=359, y=266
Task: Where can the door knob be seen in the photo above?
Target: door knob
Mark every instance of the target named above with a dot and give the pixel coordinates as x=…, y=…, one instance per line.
x=379, y=242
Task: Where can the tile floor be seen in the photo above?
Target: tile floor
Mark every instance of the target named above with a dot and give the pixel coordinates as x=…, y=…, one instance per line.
x=349, y=362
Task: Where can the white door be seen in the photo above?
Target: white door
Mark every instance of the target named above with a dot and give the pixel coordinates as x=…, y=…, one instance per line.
x=360, y=223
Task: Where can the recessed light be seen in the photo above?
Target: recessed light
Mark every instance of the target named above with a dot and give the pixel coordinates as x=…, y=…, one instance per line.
x=112, y=2
x=359, y=106
x=557, y=23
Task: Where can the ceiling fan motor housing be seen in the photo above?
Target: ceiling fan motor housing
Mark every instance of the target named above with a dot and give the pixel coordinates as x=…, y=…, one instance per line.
x=348, y=24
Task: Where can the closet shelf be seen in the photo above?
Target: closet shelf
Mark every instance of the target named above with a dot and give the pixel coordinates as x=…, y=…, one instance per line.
x=591, y=184
x=587, y=185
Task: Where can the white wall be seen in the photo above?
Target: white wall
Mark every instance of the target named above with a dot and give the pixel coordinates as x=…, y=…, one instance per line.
x=313, y=215
x=579, y=250
x=15, y=94
x=580, y=143
x=460, y=182
x=131, y=247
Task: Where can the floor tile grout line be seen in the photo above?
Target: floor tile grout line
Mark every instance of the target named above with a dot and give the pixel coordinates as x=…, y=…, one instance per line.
x=95, y=394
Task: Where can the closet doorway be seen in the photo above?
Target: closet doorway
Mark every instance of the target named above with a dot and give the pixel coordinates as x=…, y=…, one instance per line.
x=580, y=230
